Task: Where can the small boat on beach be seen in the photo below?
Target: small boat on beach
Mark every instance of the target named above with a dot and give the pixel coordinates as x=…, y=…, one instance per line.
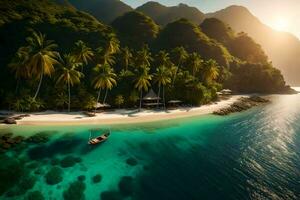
x=102, y=138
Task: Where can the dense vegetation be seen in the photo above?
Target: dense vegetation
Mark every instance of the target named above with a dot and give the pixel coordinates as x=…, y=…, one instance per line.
x=135, y=29
x=256, y=77
x=241, y=45
x=61, y=23
x=186, y=34
x=251, y=71
x=63, y=58
x=238, y=17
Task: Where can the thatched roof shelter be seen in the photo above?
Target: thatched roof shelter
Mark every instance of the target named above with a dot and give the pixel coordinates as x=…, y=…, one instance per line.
x=225, y=92
x=100, y=105
x=174, y=101
x=151, y=96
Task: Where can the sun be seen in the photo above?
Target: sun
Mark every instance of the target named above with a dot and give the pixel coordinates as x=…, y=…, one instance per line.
x=281, y=24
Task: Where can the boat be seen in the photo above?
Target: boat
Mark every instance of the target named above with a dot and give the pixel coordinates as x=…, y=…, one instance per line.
x=99, y=139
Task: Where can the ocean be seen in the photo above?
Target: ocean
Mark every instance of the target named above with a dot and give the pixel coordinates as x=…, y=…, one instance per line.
x=249, y=155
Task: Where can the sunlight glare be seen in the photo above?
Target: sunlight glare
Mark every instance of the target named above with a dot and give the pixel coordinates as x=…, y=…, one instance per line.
x=281, y=24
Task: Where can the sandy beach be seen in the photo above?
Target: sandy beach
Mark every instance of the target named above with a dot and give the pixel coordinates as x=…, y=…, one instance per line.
x=122, y=116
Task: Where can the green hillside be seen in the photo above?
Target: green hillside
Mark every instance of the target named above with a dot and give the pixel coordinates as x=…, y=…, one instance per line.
x=240, y=45
x=135, y=29
x=186, y=34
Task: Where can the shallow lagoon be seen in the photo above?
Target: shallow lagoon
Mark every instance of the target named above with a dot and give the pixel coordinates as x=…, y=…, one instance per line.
x=251, y=155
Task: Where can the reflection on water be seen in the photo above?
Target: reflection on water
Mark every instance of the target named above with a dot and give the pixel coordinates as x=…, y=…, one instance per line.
x=251, y=155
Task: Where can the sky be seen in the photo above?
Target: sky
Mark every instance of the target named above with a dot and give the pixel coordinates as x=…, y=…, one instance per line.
x=282, y=15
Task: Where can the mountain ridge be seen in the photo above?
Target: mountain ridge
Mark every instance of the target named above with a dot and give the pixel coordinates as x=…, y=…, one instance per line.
x=104, y=10
x=282, y=48
x=171, y=13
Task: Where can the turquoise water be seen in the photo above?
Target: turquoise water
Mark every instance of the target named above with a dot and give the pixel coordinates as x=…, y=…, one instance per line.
x=250, y=155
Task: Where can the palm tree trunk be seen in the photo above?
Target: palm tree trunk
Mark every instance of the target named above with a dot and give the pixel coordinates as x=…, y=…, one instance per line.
x=159, y=85
x=126, y=66
x=104, y=100
x=69, y=88
x=17, y=86
x=99, y=93
x=141, y=95
x=40, y=83
x=175, y=75
x=164, y=97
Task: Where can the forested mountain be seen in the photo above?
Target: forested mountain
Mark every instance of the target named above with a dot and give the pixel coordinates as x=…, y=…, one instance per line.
x=164, y=15
x=254, y=73
x=188, y=35
x=103, y=10
x=282, y=48
x=250, y=51
x=54, y=51
x=135, y=29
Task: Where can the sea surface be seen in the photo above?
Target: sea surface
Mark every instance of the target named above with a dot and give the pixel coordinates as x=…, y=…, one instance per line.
x=249, y=155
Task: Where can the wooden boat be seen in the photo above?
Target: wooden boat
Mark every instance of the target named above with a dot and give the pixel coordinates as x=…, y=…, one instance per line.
x=99, y=139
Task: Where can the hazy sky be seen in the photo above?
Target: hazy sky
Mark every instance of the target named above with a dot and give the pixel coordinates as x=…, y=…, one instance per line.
x=282, y=15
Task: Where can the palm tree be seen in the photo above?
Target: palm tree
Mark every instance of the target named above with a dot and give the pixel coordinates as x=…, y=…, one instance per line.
x=42, y=57
x=143, y=57
x=112, y=44
x=104, y=57
x=33, y=104
x=18, y=64
x=211, y=71
x=126, y=57
x=162, y=77
x=133, y=97
x=61, y=100
x=179, y=55
x=162, y=58
x=195, y=63
x=69, y=74
x=110, y=79
x=142, y=82
x=119, y=100
x=105, y=79
x=19, y=105
x=82, y=53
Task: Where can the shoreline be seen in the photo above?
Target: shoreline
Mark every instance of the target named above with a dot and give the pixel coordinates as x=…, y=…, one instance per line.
x=124, y=116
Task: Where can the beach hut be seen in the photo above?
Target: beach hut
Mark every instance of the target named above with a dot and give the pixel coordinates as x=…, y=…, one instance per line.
x=225, y=92
x=100, y=105
x=174, y=103
x=151, y=99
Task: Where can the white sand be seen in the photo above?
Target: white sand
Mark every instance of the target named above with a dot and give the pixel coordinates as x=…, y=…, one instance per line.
x=122, y=116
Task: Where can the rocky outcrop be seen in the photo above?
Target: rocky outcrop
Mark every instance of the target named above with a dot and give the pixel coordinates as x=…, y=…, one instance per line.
x=13, y=119
x=241, y=105
x=9, y=121
x=89, y=114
